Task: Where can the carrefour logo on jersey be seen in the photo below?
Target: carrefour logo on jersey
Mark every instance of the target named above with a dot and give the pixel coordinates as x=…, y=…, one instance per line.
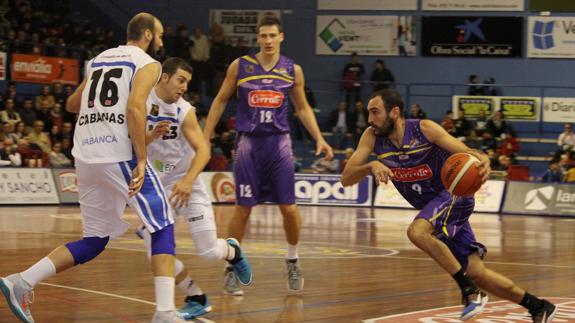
x=265, y=99
x=327, y=190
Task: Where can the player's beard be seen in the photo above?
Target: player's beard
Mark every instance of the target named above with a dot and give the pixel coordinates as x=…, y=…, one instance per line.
x=386, y=129
x=152, y=50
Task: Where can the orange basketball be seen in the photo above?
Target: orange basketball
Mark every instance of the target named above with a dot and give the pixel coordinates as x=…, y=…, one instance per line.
x=460, y=174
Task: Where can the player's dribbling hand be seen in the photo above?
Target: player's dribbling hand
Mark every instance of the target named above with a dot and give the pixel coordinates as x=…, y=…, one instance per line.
x=181, y=194
x=161, y=129
x=484, y=165
x=137, y=179
x=381, y=172
x=322, y=146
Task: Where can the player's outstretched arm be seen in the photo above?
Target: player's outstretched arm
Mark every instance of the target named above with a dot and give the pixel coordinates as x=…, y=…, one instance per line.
x=142, y=85
x=221, y=100
x=193, y=133
x=437, y=135
x=306, y=114
x=357, y=168
x=74, y=101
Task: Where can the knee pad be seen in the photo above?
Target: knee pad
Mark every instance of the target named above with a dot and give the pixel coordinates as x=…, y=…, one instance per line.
x=87, y=249
x=163, y=241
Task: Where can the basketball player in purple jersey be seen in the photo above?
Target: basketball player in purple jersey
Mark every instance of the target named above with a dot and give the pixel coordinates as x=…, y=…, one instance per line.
x=264, y=165
x=410, y=153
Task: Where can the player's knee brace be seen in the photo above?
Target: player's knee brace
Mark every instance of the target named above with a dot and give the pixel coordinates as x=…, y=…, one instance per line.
x=163, y=241
x=87, y=249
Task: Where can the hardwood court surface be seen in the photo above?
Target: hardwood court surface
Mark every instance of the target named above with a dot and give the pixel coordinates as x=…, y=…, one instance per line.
x=358, y=265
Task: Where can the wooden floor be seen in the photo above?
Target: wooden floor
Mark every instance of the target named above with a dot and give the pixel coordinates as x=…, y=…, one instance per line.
x=358, y=265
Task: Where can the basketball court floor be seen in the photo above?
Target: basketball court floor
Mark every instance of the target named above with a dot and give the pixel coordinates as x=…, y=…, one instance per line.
x=358, y=266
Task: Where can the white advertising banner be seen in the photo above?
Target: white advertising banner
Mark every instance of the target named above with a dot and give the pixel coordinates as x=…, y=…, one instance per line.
x=473, y=5
x=220, y=186
x=487, y=199
x=367, y=5
x=27, y=186
x=240, y=23
x=365, y=35
x=559, y=110
x=551, y=37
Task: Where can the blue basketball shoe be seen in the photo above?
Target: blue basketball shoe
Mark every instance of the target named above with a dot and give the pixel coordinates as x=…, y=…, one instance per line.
x=471, y=306
x=241, y=265
x=194, y=307
x=18, y=294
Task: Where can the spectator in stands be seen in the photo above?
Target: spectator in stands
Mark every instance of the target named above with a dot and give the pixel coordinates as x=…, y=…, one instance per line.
x=183, y=44
x=241, y=49
x=59, y=94
x=481, y=122
x=570, y=176
x=57, y=158
x=27, y=112
x=497, y=125
x=20, y=131
x=489, y=88
x=359, y=121
x=509, y=146
x=200, y=56
x=566, y=162
x=38, y=137
x=9, y=157
x=554, y=174
x=415, y=112
x=473, y=140
x=56, y=115
x=45, y=99
x=43, y=113
x=566, y=140
x=461, y=126
x=67, y=131
x=488, y=142
x=351, y=79
x=9, y=114
x=55, y=134
x=340, y=124
x=448, y=123
x=503, y=163
x=8, y=130
x=473, y=88
x=67, y=148
x=381, y=77
x=169, y=41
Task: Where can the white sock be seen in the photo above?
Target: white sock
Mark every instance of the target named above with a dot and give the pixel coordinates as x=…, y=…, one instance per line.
x=292, y=251
x=231, y=252
x=164, y=293
x=39, y=271
x=190, y=287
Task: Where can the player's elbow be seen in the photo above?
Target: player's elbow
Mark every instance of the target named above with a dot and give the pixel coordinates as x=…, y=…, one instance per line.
x=346, y=179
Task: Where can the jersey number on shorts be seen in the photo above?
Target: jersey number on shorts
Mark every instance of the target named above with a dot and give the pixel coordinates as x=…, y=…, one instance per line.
x=245, y=190
x=417, y=188
x=109, y=91
x=266, y=116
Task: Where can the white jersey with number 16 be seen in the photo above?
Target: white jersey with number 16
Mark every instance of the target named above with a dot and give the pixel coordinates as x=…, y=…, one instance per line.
x=101, y=134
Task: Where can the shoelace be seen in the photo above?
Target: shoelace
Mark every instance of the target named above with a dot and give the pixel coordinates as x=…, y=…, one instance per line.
x=293, y=271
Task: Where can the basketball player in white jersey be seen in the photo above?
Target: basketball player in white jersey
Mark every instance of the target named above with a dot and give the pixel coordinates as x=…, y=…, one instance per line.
x=112, y=169
x=178, y=152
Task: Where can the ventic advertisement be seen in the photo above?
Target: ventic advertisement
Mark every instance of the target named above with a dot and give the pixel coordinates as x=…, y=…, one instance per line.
x=487, y=199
